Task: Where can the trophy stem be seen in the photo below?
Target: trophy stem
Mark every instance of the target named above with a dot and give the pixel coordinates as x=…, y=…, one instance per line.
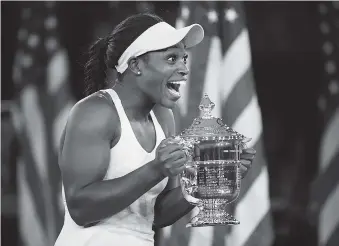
x=211, y=213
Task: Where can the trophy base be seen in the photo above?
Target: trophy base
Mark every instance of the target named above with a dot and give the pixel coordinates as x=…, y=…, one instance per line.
x=206, y=218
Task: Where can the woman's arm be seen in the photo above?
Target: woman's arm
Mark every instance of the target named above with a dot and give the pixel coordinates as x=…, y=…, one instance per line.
x=170, y=205
x=85, y=158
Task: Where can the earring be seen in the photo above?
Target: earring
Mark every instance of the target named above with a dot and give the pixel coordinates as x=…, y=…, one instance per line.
x=139, y=73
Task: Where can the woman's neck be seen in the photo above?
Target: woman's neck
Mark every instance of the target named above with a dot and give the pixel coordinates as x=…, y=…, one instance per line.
x=136, y=105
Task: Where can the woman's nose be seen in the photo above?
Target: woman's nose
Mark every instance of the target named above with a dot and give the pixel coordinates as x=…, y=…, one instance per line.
x=183, y=71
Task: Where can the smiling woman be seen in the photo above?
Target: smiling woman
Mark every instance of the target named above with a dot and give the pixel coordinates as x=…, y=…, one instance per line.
x=163, y=72
x=118, y=166
x=118, y=161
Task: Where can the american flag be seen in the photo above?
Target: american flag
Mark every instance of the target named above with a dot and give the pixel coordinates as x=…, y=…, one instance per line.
x=221, y=67
x=42, y=103
x=325, y=188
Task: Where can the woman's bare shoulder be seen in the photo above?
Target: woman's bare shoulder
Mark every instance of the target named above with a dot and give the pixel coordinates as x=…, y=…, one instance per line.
x=94, y=112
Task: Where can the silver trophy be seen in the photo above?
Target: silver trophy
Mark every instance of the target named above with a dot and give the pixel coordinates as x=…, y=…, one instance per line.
x=212, y=178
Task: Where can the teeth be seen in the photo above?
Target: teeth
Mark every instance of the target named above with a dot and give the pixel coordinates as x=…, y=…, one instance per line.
x=174, y=92
x=181, y=82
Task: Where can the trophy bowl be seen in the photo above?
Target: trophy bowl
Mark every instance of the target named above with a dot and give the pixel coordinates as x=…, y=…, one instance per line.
x=211, y=178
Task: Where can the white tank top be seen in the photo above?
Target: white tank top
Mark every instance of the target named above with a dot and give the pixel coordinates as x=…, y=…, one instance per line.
x=133, y=225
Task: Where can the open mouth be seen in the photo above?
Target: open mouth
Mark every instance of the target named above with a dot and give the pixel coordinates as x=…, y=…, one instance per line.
x=173, y=87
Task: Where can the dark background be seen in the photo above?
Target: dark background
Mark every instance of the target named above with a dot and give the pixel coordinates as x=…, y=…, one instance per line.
x=288, y=67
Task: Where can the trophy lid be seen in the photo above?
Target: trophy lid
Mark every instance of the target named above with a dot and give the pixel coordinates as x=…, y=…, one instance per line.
x=208, y=127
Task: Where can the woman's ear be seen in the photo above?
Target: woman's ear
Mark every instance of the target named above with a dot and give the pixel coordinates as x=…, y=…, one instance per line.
x=133, y=65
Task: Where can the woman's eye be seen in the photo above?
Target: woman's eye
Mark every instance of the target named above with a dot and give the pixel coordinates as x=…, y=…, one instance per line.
x=172, y=59
x=185, y=59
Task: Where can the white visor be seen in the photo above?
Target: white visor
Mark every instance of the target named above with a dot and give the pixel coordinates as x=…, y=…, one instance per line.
x=160, y=36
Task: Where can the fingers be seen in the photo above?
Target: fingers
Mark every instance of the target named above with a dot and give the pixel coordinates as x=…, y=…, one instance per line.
x=248, y=154
x=246, y=163
x=178, y=155
x=245, y=167
x=171, y=155
x=243, y=171
x=169, y=141
x=176, y=168
x=171, y=151
x=249, y=151
x=168, y=149
x=246, y=157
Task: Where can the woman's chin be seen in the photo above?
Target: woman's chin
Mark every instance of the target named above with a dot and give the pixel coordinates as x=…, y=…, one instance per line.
x=166, y=103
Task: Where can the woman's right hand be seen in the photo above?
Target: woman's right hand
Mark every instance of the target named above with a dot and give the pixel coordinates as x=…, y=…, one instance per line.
x=170, y=157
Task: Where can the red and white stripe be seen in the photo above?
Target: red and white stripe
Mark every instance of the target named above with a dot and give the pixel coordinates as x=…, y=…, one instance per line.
x=325, y=189
x=220, y=76
x=41, y=73
x=329, y=215
x=255, y=204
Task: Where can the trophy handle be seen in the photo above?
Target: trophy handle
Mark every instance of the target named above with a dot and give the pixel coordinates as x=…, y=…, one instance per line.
x=190, y=170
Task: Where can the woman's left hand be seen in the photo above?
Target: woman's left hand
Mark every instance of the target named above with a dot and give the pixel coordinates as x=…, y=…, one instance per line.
x=246, y=158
